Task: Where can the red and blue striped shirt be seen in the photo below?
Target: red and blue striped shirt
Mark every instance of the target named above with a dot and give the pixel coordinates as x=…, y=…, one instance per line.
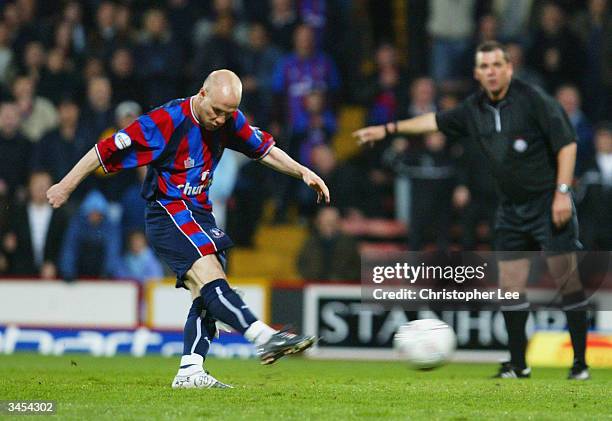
x=180, y=153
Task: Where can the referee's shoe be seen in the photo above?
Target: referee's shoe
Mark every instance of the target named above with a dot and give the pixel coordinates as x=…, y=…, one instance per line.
x=508, y=371
x=579, y=372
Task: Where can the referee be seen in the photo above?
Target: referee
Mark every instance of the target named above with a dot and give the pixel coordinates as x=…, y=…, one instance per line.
x=530, y=146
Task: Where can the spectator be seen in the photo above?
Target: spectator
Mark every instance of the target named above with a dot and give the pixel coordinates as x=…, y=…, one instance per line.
x=57, y=79
x=383, y=91
x=92, y=244
x=301, y=72
x=97, y=113
x=569, y=98
x=556, y=52
x=313, y=128
x=126, y=86
x=328, y=254
x=422, y=97
x=14, y=151
x=35, y=232
x=450, y=25
x=7, y=56
x=104, y=39
x=139, y=262
x=594, y=27
x=341, y=178
x=220, y=51
x=61, y=148
x=259, y=59
x=432, y=173
x=282, y=23
x=38, y=114
x=33, y=59
x=133, y=205
x=514, y=16
x=206, y=27
x=594, y=193
x=516, y=54
x=159, y=59
x=76, y=41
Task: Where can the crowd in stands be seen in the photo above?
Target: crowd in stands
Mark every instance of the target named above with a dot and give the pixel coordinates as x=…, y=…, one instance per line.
x=73, y=72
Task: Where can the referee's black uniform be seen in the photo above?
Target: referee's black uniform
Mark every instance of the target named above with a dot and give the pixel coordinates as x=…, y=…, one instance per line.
x=520, y=137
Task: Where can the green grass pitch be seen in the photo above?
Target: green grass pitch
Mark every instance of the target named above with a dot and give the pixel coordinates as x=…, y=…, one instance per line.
x=127, y=388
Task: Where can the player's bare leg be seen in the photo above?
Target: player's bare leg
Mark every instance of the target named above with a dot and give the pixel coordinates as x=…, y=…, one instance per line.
x=513, y=277
x=564, y=269
x=207, y=278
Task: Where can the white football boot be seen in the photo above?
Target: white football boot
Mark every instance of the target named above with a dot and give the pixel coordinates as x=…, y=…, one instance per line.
x=198, y=380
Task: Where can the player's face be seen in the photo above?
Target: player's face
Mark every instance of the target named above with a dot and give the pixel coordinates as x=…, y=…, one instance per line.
x=493, y=72
x=215, y=111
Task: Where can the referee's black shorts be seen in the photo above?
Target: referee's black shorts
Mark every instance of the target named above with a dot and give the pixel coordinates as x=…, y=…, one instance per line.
x=528, y=226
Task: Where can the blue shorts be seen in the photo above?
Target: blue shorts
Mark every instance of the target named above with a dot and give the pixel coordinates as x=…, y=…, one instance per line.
x=180, y=234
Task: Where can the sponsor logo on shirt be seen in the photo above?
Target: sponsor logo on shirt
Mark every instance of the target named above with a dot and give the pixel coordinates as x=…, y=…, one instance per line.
x=189, y=190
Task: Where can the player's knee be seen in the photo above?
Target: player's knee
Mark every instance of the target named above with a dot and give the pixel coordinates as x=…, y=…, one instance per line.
x=206, y=269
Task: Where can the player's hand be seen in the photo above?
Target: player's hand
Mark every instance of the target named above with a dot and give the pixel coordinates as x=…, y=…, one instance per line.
x=369, y=135
x=561, y=209
x=317, y=184
x=57, y=195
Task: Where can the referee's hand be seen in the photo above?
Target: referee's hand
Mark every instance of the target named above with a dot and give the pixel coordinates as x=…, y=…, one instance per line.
x=561, y=209
x=369, y=134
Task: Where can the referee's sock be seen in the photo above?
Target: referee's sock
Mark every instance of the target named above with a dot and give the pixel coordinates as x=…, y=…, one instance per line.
x=575, y=306
x=225, y=305
x=515, y=316
x=196, y=340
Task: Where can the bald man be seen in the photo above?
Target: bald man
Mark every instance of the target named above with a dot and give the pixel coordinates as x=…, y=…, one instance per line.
x=181, y=144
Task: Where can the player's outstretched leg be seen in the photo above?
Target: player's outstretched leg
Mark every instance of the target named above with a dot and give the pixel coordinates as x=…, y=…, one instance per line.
x=575, y=306
x=199, y=332
x=225, y=305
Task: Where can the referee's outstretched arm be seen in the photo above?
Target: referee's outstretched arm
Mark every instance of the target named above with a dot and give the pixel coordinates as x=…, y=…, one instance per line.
x=413, y=126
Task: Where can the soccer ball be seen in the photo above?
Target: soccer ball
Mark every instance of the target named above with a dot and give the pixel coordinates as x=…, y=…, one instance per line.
x=425, y=343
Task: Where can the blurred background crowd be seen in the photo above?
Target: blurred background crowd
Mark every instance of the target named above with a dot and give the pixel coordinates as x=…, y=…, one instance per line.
x=73, y=72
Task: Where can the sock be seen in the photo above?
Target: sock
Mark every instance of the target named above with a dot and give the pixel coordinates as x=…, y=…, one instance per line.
x=196, y=340
x=226, y=306
x=259, y=333
x=515, y=326
x=575, y=306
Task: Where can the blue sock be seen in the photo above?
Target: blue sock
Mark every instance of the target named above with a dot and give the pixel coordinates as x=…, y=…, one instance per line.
x=225, y=305
x=196, y=339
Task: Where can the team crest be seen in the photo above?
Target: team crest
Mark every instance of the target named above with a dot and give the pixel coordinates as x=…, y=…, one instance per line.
x=216, y=232
x=520, y=145
x=122, y=141
x=189, y=162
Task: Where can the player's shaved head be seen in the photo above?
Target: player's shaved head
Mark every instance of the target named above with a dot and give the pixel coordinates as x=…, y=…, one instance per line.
x=218, y=98
x=224, y=86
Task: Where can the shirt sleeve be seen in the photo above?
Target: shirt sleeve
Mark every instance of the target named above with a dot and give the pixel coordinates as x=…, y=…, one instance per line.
x=553, y=121
x=454, y=122
x=139, y=144
x=249, y=140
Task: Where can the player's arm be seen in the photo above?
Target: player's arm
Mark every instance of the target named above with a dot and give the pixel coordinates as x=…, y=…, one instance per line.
x=59, y=193
x=413, y=126
x=278, y=160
